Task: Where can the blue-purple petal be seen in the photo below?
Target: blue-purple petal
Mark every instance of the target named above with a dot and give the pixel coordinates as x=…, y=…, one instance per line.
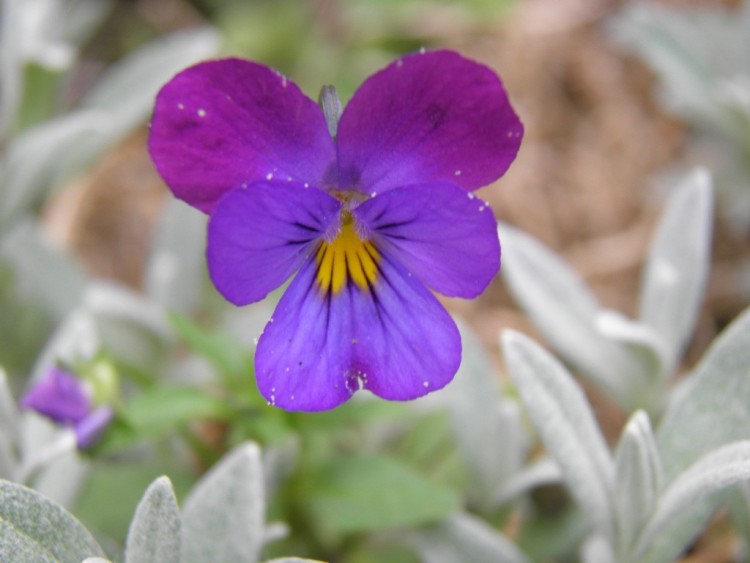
x=395, y=340
x=445, y=236
x=259, y=236
x=223, y=124
x=434, y=116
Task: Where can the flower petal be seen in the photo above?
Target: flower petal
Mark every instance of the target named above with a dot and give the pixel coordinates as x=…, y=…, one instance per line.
x=59, y=396
x=259, y=236
x=225, y=123
x=394, y=339
x=427, y=117
x=439, y=232
x=89, y=429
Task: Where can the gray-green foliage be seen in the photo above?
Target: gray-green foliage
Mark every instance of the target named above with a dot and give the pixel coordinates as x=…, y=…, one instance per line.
x=630, y=360
x=634, y=512
x=38, y=280
x=700, y=55
x=33, y=528
x=223, y=520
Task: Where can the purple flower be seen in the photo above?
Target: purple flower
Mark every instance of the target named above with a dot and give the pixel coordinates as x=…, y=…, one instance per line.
x=371, y=210
x=61, y=397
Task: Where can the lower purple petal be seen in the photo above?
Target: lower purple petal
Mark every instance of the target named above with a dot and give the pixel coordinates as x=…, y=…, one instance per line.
x=259, y=236
x=445, y=236
x=91, y=427
x=393, y=339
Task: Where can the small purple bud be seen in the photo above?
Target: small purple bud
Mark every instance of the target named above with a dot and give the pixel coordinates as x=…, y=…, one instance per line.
x=89, y=430
x=59, y=396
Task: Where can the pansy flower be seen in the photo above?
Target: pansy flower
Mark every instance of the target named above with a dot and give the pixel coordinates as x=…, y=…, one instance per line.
x=372, y=207
x=63, y=398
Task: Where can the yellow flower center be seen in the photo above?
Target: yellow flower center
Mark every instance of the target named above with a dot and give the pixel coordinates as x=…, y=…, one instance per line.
x=347, y=257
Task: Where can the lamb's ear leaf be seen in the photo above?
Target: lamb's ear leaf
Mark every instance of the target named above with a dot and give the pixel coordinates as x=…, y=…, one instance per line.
x=154, y=534
x=690, y=427
x=638, y=477
x=566, y=312
x=464, y=538
x=689, y=500
x=566, y=424
x=223, y=516
x=678, y=264
x=33, y=528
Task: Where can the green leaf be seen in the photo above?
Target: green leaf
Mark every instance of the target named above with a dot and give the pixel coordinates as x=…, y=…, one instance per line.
x=368, y=492
x=33, y=528
x=154, y=535
x=163, y=408
x=217, y=347
x=158, y=411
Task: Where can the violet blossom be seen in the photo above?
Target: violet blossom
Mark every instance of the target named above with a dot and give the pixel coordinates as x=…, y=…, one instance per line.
x=63, y=398
x=373, y=208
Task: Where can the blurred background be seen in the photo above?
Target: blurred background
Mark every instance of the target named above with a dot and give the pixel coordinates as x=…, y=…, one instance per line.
x=618, y=99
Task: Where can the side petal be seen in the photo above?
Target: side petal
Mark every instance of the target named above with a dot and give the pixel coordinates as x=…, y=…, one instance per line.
x=60, y=396
x=393, y=339
x=221, y=124
x=439, y=232
x=427, y=117
x=259, y=236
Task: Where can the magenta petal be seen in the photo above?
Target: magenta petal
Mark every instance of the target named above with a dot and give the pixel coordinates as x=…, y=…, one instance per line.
x=227, y=123
x=59, y=396
x=445, y=236
x=259, y=236
x=395, y=340
x=427, y=117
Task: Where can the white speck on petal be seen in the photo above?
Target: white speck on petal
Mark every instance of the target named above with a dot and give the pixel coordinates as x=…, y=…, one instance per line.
x=180, y=106
x=422, y=50
x=457, y=173
x=426, y=384
x=201, y=112
x=373, y=194
x=269, y=176
x=481, y=208
x=470, y=195
x=306, y=185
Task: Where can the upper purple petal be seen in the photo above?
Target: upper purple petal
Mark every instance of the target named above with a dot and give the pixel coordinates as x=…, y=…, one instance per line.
x=59, y=396
x=394, y=339
x=222, y=124
x=439, y=232
x=259, y=236
x=427, y=117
